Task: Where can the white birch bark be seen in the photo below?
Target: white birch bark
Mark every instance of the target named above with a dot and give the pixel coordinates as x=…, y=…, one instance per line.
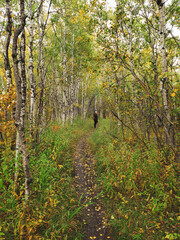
x=20, y=78
x=41, y=30
x=41, y=66
x=95, y=102
x=101, y=107
x=82, y=99
x=164, y=80
x=17, y=159
x=7, y=43
x=72, y=90
x=77, y=92
x=131, y=65
x=64, y=108
x=65, y=111
x=31, y=68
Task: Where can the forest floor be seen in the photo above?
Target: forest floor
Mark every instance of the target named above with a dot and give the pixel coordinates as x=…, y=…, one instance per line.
x=91, y=185
x=93, y=215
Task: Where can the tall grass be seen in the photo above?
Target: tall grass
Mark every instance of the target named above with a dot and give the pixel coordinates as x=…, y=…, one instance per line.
x=140, y=190
x=53, y=203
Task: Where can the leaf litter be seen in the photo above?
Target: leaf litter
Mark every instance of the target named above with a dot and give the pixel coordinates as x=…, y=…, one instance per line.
x=93, y=214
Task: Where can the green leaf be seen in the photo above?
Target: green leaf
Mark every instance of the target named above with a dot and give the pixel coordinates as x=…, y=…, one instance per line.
x=1, y=183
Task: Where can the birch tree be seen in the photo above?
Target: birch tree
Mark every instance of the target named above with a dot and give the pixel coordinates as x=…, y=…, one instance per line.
x=7, y=43
x=164, y=80
x=31, y=67
x=132, y=44
x=41, y=66
x=20, y=79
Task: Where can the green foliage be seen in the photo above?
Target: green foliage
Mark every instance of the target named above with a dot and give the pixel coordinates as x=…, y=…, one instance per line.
x=140, y=191
x=86, y=45
x=54, y=204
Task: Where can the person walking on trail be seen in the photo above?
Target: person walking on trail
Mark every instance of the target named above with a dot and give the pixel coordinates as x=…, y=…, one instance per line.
x=95, y=117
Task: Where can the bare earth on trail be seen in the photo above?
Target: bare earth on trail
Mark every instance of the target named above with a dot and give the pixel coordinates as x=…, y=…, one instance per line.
x=93, y=214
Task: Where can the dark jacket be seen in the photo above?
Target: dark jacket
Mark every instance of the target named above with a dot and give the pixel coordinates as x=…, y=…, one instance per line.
x=95, y=117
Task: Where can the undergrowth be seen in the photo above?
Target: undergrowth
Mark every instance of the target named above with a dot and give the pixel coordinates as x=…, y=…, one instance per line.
x=140, y=189
x=53, y=203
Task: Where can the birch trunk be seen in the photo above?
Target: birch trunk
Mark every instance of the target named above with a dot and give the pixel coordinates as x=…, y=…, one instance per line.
x=41, y=67
x=16, y=160
x=31, y=68
x=132, y=67
x=72, y=103
x=72, y=90
x=20, y=78
x=164, y=80
x=95, y=102
x=152, y=37
x=7, y=42
x=77, y=112
x=64, y=108
x=101, y=107
x=40, y=71
x=65, y=112
x=82, y=99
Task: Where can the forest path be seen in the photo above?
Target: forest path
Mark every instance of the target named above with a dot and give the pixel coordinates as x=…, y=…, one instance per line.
x=93, y=213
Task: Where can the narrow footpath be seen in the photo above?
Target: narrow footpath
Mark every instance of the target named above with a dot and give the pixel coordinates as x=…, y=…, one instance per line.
x=95, y=225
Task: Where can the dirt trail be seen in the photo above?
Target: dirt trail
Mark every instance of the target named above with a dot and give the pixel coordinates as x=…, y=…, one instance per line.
x=93, y=214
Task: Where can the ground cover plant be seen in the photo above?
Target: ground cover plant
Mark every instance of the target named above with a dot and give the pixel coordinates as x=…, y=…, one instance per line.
x=140, y=188
x=137, y=187
x=54, y=202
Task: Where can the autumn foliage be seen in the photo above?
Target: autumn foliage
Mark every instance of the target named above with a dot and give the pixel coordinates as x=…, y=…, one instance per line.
x=59, y=62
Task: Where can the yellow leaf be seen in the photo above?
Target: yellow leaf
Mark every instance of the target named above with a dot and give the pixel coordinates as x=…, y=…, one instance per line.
x=173, y=94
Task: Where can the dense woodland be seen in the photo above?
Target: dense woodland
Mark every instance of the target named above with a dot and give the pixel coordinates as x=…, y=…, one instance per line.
x=59, y=61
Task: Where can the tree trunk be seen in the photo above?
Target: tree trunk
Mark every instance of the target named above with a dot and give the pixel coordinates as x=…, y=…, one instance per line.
x=7, y=42
x=31, y=69
x=82, y=99
x=72, y=87
x=41, y=29
x=16, y=160
x=20, y=78
x=165, y=81
x=132, y=67
x=64, y=108
x=41, y=68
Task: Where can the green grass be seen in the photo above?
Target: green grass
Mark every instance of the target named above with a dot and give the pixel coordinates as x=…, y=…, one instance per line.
x=140, y=190
x=54, y=204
